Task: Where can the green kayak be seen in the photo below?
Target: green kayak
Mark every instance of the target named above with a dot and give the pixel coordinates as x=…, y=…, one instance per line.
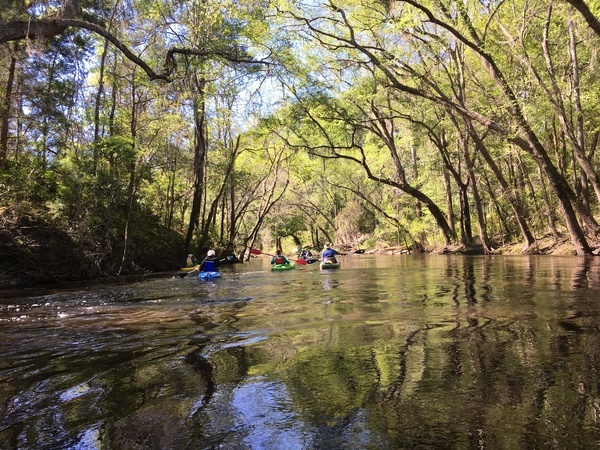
x=329, y=265
x=289, y=266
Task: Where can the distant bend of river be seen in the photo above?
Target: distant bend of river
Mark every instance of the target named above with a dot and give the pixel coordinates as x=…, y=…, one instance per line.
x=388, y=352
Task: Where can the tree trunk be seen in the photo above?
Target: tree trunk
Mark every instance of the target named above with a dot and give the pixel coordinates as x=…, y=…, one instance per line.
x=514, y=202
x=132, y=167
x=212, y=211
x=113, y=105
x=483, y=234
x=466, y=231
x=200, y=148
x=441, y=143
x=232, y=221
x=129, y=207
x=549, y=209
x=449, y=205
x=506, y=230
x=415, y=174
x=588, y=173
x=4, y=123
x=97, y=104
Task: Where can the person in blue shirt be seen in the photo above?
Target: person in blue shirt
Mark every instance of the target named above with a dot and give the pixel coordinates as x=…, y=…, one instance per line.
x=278, y=258
x=329, y=254
x=210, y=263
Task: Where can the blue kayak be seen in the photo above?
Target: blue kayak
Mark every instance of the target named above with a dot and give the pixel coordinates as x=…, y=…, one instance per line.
x=208, y=275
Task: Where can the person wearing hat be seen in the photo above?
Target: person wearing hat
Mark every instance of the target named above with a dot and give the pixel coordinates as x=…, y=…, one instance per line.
x=191, y=261
x=329, y=254
x=210, y=263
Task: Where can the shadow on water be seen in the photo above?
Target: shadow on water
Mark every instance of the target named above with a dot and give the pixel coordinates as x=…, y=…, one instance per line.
x=384, y=353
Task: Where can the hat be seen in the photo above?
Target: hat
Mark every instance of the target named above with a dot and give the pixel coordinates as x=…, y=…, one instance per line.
x=190, y=255
x=211, y=253
x=327, y=244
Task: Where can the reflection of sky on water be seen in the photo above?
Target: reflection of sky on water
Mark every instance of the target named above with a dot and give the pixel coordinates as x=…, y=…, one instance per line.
x=330, y=284
x=265, y=410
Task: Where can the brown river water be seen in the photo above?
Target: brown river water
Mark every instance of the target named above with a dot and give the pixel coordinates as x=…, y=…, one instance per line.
x=388, y=352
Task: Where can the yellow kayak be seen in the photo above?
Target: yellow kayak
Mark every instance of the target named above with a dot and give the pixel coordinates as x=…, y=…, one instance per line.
x=191, y=268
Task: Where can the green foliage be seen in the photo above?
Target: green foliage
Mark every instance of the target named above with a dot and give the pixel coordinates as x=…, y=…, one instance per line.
x=27, y=180
x=284, y=226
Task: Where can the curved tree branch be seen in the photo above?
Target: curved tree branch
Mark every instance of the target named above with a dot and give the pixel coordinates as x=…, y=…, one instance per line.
x=35, y=29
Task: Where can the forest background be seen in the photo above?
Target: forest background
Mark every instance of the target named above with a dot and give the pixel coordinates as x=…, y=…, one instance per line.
x=134, y=132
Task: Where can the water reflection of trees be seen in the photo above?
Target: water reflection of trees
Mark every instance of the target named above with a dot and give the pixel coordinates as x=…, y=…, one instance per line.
x=494, y=359
x=480, y=353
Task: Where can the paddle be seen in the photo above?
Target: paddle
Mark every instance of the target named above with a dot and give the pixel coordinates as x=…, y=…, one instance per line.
x=256, y=251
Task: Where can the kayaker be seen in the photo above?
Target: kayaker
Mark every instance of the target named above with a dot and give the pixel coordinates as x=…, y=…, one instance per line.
x=191, y=261
x=278, y=258
x=305, y=254
x=210, y=263
x=328, y=253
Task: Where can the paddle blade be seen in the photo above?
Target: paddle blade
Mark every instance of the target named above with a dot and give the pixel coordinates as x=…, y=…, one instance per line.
x=255, y=251
x=302, y=262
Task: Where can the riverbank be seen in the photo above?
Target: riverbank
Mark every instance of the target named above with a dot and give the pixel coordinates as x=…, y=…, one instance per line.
x=34, y=250
x=545, y=245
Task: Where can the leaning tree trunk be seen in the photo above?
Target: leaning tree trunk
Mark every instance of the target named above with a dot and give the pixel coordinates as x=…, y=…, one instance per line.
x=526, y=139
x=464, y=141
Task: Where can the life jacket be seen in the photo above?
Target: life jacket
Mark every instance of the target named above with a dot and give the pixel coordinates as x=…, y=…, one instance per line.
x=279, y=260
x=209, y=265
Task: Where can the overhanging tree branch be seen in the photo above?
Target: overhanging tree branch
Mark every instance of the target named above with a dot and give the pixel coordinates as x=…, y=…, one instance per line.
x=35, y=29
x=587, y=14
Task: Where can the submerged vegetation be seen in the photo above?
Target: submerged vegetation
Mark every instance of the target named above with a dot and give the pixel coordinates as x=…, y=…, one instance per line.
x=133, y=133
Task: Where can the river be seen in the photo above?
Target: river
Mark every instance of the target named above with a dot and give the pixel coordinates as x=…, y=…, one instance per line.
x=387, y=352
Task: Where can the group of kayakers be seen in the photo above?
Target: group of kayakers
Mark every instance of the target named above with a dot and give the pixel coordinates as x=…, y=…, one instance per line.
x=211, y=263
x=328, y=254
